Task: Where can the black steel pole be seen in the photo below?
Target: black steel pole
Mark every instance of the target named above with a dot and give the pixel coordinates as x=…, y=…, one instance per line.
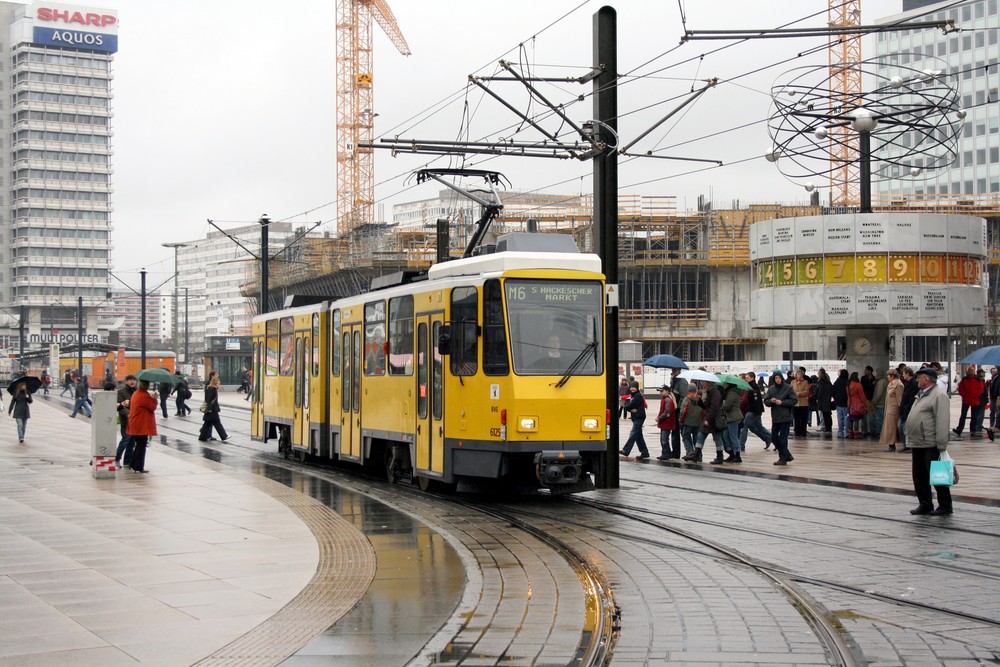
x=264, y=306
x=866, y=172
x=79, y=336
x=142, y=318
x=186, y=325
x=20, y=349
x=606, y=214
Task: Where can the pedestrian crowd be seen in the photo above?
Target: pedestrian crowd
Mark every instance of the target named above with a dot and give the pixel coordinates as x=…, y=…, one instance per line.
x=905, y=410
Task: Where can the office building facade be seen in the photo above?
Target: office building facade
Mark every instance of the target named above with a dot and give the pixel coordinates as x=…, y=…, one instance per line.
x=970, y=57
x=55, y=213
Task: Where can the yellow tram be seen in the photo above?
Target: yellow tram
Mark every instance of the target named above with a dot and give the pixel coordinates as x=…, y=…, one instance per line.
x=484, y=371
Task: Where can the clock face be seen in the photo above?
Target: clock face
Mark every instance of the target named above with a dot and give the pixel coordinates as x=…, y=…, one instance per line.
x=862, y=345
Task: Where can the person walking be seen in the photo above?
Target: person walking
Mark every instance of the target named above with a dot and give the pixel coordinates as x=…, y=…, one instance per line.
x=125, y=446
x=67, y=384
x=890, y=419
x=755, y=408
x=690, y=425
x=994, y=398
x=857, y=405
x=182, y=391
x=979, y=411
x=970, y=389
x=19, y=409
x=840, y=401
x=679, y=388
x=927, y=437
x=868, y=384
x=666, y=421
x=46, y=381
x=636, y=407
x=730, y=435
x=781, y=398
x=164, y=389
x=800, y=413
x=212, y=417
x=249, y=385
x=712, y=417
x=82, y=396
x=141, y=424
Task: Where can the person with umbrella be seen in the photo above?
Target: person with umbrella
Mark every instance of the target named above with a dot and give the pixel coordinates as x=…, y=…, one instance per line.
x=19, y=405
x=141, y=423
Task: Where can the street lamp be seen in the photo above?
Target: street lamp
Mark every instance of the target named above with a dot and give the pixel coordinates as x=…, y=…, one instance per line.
x=175, y=246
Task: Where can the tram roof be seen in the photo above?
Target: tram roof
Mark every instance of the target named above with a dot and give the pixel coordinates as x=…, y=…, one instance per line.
x=513, y=261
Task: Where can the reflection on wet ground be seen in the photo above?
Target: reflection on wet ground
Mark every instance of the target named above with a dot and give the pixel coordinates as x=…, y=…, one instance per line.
x=419, y=577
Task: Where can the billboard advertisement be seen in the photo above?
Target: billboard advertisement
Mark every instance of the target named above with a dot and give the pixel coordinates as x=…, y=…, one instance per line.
x=73, y=26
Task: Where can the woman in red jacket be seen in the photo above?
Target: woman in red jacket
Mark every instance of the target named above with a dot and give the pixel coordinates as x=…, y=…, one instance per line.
x=857, y=405
x=141, y=423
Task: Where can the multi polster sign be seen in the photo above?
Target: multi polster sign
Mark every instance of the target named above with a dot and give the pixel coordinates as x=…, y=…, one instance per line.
x=75, y=27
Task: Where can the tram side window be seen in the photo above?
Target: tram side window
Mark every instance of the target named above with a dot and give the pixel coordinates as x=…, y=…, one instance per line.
x=375, y=338
x=335, y=343
x=401, y=336
x=271, y=358
x=315, y=346
x=286, y=346
x=495, y=360
x=464, y=330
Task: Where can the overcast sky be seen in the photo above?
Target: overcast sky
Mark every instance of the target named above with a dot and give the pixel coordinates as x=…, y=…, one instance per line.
x=225, y=109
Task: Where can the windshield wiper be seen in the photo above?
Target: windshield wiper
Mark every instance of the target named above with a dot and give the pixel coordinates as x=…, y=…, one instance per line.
x=589, y=347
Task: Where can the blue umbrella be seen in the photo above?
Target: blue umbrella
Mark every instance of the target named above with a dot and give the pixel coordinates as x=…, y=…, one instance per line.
x=664, y=361
x=984, y=356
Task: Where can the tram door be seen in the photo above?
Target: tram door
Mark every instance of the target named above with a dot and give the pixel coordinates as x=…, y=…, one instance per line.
x=350, y=392
x=430, y=434
x=256, y=400
x=300, y=427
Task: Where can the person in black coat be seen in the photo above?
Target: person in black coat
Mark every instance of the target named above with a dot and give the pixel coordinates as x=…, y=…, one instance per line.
x=19, y=409
x=824, y=400
x=212, y=411
x=840, y=401
x=183, y=392
x=635, y=406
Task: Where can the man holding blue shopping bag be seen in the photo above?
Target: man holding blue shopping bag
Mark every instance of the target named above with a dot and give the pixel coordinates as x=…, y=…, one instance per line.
x=927, y=436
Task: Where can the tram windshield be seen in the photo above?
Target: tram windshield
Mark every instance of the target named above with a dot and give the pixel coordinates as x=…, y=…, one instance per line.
x=556, y=326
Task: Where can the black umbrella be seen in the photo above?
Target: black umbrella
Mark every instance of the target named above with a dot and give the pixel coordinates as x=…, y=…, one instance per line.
x=30, y=381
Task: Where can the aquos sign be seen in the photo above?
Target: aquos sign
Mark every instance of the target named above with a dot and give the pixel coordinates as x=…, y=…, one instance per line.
x=74, y=27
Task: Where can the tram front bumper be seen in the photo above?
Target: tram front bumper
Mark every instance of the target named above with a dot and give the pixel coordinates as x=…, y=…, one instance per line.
x=558, y=467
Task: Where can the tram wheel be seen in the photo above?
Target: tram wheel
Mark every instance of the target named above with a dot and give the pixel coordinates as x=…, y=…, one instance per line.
x=301, y=455
x=435, y=486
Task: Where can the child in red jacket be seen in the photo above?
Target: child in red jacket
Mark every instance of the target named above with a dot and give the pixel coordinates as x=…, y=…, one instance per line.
x=666, y=421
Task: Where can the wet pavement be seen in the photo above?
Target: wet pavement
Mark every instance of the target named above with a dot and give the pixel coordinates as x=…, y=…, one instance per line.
x=255, y=560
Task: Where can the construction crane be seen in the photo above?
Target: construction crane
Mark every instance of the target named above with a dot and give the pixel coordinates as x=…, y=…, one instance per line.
x=845, y=90
x=355, y=110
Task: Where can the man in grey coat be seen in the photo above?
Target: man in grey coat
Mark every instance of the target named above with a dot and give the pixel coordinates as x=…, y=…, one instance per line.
x=927, y=436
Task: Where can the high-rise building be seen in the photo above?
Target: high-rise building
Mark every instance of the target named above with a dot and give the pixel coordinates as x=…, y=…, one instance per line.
x=55, y=184
x=969, y=57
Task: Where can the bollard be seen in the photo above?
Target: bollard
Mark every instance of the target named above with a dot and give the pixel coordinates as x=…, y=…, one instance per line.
x=104, y=434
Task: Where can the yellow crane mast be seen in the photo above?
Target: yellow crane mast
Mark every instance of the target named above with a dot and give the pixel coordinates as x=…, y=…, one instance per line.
x=355, y=111
x=844, y=52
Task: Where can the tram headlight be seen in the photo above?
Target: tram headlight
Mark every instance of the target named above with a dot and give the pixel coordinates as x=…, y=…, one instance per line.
x=590, y=424
x=527, y=424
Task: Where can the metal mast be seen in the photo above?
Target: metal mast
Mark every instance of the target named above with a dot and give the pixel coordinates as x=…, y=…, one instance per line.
x=355, y=111
x=845, y=91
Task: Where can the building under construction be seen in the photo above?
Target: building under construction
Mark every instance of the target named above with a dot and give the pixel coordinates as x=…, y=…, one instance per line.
x=684, y=277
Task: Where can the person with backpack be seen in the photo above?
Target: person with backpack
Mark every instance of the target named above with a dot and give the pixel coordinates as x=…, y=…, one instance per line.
x=183, y=392
x=636, y=407
x=666, y=421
